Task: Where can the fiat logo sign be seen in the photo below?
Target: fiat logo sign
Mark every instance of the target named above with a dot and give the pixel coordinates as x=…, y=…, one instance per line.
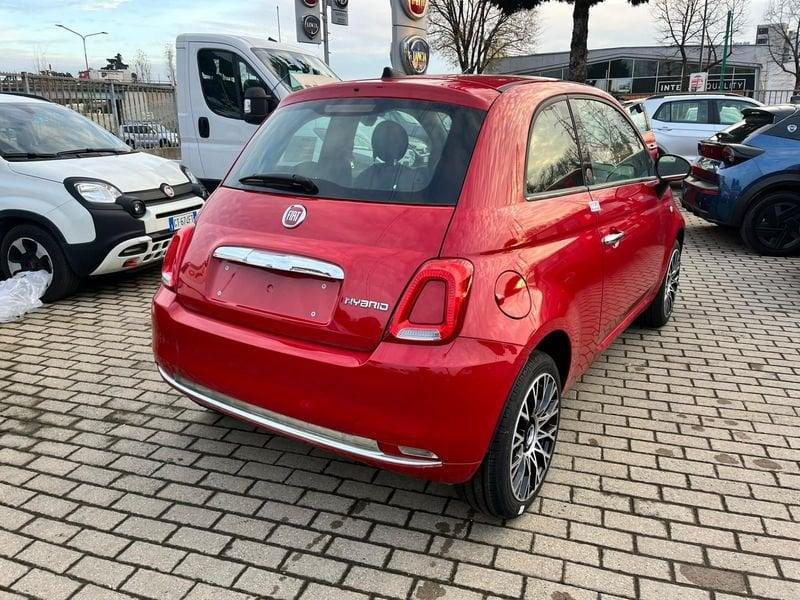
x=168, y=191
x=415, y=53
x=416, y=9
x=293, y=216
x=310, y=3
x=311, y=26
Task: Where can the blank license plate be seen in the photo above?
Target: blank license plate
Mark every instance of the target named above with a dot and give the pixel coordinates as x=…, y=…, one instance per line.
x=179, y=221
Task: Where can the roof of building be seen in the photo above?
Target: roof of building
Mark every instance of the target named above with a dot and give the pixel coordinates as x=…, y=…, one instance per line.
x=741, y=54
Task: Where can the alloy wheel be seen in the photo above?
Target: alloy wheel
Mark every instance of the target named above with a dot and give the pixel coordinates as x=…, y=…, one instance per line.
x=671, y=284
x=26, y=254
x=535, y=434
x=777, y=225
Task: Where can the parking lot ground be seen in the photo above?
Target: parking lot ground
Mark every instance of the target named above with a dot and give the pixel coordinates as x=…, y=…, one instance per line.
x=677, y=473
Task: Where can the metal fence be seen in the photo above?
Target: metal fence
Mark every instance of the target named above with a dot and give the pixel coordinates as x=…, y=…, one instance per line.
x=774, y=96
x=144, y=115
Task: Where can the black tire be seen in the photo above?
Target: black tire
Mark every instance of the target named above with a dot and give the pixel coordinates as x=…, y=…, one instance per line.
x=64, y=281
x=771, y=225
x=659, y=312
x=491, y=490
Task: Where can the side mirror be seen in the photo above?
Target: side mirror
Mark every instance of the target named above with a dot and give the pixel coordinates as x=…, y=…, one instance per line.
x=671, y=168
x=257, y=105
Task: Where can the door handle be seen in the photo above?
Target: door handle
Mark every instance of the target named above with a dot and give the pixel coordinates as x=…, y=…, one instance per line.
x=663, y=128
x=612, y=239
x=203, y=127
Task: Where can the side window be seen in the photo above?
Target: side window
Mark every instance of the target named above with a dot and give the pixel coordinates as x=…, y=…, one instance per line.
x=554, y=161
x=224, y=78
x=684, y=111
x=615, y=150
x=730, y=111
x=636, y=111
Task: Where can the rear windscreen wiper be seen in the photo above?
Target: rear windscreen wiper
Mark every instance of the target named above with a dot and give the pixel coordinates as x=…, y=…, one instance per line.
x=92, y=151
x=282, y=181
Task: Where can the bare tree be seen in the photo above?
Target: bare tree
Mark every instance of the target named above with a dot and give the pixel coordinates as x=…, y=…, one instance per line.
x=472, y=33
x=40, y=65
x=784, y=38
x=142, y=67
x=169, y=59
x=687, y=23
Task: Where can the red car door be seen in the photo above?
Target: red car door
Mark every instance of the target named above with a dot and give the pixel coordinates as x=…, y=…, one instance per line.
x=631, y=212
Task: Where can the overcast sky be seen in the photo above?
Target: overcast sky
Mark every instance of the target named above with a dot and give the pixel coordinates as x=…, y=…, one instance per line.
x=361, y=50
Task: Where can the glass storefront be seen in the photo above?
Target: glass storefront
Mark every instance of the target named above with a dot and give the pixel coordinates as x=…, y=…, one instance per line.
x=637, y=76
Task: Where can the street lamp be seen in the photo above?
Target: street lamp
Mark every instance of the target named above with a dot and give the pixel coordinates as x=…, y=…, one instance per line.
x=83, y=37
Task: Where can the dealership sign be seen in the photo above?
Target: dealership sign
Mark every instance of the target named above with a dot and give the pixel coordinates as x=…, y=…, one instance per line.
x=712, y=85
x=416, y=54
x=416, y=9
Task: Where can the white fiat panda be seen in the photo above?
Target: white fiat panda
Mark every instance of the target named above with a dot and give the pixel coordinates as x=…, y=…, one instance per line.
x=77, y=202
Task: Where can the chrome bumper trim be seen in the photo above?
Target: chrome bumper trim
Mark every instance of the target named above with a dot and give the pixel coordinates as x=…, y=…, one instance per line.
x=313, y=434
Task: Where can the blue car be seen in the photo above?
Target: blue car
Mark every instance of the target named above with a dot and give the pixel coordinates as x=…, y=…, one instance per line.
x=748, y=176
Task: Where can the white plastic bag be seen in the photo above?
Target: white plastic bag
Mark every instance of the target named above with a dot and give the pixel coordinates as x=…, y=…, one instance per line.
x=21, y=293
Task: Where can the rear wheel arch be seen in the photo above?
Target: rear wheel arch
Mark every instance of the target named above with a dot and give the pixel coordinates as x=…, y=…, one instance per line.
x=558, y=346
x=784, y=182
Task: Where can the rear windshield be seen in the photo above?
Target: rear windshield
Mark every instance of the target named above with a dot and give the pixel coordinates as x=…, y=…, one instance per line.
x=372, y=150
x=738, y=133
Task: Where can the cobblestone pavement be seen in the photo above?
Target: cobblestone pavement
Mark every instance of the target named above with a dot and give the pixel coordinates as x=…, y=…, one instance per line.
x=676, y=477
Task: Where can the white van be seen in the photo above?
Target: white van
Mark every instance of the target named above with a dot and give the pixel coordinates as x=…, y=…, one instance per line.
x=214, y=72
x=76, y=201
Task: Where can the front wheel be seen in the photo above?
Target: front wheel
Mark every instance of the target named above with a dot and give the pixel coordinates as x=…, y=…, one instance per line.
x=660, y=310
x=772, y=225
x=31, y=248
x=521, y=451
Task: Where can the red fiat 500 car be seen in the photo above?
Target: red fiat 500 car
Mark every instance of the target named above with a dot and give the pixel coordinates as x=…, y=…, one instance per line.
x=410, y=271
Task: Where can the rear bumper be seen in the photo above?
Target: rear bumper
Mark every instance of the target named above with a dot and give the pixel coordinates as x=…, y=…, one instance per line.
x=700, y=198
x=428, y=411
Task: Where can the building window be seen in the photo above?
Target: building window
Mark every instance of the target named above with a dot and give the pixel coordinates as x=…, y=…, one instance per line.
x=645, y=68
x=622, y=67
x=597, y=70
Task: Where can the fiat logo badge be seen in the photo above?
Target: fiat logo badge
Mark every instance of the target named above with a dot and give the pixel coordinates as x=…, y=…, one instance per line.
x=310, y=3
x=293, y=216
x=416, y=9
x=168, y=191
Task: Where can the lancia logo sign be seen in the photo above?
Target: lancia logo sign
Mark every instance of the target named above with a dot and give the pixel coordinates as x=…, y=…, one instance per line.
x=311, y=26
x=293, y=216
x=167, y=190
x=416, y=9
x=415, y=54
x=342, y=3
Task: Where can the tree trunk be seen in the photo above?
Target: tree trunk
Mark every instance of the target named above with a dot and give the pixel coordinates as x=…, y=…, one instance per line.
x=578, y=51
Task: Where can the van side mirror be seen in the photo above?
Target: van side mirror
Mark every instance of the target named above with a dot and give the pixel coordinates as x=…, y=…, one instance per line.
x=670, y=168
x=257, y=105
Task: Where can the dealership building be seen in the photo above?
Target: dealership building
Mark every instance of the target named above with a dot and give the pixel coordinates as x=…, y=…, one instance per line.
x=646, y=70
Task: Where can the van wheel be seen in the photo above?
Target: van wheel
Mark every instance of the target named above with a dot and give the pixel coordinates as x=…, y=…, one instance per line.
x=659, y=312
x=31, y=248
x=522, y=449
x=771, y=225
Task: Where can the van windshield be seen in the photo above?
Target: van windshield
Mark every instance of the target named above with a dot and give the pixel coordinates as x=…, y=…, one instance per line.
x=296, y=70
x=375, y=150
x=42, y=130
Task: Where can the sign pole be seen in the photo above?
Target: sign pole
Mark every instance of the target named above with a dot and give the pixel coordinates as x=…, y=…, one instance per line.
x=325, y=45
x=723, y=68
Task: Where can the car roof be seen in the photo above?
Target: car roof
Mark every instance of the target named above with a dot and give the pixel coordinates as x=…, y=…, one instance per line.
x=19, y=97
x=239, y=40
x=475, y=91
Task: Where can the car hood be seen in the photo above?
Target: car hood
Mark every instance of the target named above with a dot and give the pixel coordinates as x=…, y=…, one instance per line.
x=131, y=172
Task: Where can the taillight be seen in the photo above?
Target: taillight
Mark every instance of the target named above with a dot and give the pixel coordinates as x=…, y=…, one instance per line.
x=711, y=150
x=730, y=154
x=174, y=256
x=433, y=306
